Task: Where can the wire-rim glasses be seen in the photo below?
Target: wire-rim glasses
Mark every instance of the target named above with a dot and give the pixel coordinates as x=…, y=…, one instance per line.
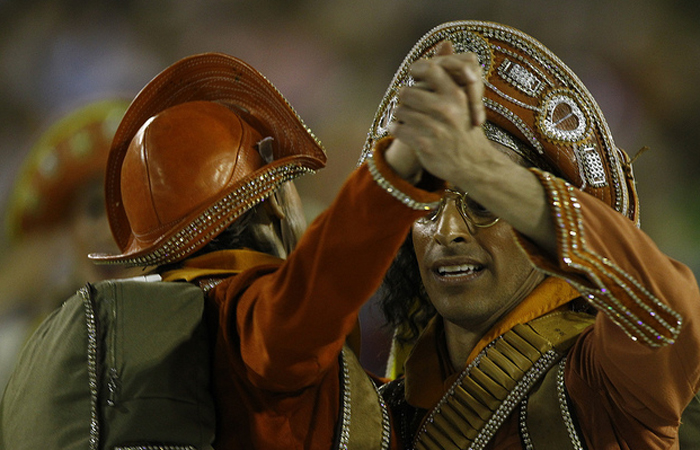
x=471, y=211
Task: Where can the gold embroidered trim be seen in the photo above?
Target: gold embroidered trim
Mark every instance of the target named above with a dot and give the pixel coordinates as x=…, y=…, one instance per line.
x=488, y=390
x=659, y=325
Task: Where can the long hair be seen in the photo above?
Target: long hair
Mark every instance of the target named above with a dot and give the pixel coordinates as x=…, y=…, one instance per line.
x=402, y=297
x=240, y=234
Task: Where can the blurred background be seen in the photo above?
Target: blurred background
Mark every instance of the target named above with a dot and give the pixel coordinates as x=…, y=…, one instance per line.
x=333, y=60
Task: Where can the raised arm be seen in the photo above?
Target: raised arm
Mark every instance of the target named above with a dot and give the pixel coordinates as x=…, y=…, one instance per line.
x=440, y=118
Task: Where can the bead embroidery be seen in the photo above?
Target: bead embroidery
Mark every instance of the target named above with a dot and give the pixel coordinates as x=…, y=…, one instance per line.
x=93, y=354
x=394, y=192
x=534, y=71
x=520, y=77
x=653, y=328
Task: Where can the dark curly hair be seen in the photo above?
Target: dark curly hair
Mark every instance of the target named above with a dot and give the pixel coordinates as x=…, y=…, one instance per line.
x=402, y=297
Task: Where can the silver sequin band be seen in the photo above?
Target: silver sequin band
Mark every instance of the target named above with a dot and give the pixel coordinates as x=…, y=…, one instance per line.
x=344, y=439
x=156, y=447
x=92, y=363
x=394, y=192
x=651, y=328
x=574, y=438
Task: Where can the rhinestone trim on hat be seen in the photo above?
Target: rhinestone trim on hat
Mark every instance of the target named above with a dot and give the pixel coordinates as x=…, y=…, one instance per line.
x=387, y=117
x=211, y=222
x=463, y=41
x=521, y=60
x=499, y=135
x=659, y=325
x=517, y=121
x=520, y=77
x=475, y=36
x=551, y=126
x=591, y=165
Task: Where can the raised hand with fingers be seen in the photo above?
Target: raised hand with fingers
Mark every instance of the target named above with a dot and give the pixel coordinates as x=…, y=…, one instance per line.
x=440, y=116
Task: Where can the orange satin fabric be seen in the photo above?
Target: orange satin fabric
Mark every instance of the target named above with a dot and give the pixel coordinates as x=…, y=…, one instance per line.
x=279, y=328
x=626, y=395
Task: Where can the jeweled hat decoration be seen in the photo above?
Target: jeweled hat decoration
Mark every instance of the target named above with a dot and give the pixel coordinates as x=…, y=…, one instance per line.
x=532, y=95
x=71, y=153
x=253, y=110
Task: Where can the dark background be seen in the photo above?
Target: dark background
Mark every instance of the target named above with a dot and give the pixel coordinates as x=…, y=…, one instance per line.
x=334, y=59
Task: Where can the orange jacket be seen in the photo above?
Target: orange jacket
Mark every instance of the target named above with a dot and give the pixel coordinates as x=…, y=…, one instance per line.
x=280, y=327
x=627, y=386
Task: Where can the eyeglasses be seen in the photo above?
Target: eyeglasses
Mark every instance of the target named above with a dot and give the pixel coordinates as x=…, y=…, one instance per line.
x=471, y=211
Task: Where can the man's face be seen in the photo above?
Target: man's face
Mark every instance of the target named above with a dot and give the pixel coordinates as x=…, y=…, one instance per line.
x=472, y=275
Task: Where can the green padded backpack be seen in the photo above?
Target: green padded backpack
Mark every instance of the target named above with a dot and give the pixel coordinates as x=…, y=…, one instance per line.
x=120, y=365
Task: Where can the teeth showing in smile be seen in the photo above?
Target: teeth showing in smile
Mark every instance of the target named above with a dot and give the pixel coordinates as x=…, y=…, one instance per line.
x=460, y=270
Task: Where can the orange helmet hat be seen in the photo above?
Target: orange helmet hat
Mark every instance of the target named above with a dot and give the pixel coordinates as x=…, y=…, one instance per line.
x=534, y=97
x=185, y=163
x=69, y=155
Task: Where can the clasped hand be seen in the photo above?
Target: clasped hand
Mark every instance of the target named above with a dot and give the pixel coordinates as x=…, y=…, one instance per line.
x=439, y=117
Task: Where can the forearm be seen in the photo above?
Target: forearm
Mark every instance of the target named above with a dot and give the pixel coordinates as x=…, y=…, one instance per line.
x=514, y=194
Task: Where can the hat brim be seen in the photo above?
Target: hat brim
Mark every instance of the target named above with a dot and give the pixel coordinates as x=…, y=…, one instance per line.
x=219, y=78
x=525, y=85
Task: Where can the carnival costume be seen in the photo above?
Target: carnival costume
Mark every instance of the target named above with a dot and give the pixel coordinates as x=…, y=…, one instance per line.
x=184, y=165
x=622, y=382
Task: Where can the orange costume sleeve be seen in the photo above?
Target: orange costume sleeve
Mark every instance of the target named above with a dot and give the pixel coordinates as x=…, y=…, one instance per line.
x=281, y=328
x=631, y=375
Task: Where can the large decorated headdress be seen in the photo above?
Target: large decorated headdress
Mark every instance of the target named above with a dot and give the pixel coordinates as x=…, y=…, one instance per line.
x=533, y=96
x=186, y=162
x=68, y=156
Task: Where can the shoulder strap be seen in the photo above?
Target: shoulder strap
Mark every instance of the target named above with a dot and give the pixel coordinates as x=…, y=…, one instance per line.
x=364, y=416
x=548, y=424
x=488, y=390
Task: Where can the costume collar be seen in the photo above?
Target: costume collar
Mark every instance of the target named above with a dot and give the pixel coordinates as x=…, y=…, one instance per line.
x=429, y=374
x=219, y=264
